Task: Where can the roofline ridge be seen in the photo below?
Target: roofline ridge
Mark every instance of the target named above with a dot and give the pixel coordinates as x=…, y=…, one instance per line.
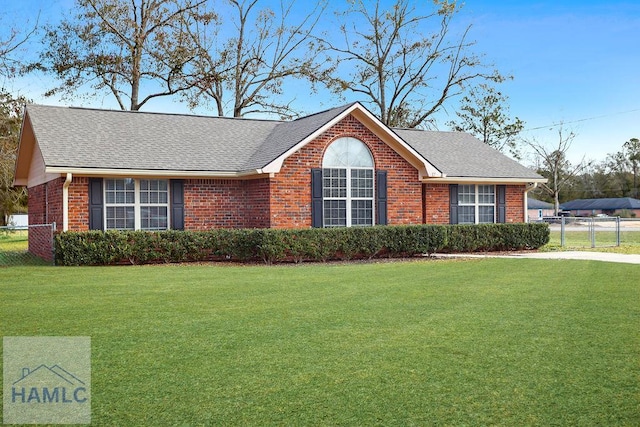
x=339, y=107
x=159, y=113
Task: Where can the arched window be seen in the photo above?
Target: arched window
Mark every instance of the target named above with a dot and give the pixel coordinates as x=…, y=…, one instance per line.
x=347, y=184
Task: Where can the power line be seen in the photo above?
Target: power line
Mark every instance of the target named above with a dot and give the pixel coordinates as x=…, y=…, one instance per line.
x=582, y=120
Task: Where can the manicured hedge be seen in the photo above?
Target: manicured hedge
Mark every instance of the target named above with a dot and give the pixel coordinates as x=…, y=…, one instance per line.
x=273, y=245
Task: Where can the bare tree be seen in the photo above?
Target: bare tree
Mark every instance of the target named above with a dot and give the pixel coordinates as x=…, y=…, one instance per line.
x=11, y=199
x=404, y=61
x=631, y=150
x=242, y=67
x=484, y=113
x=552, y=163
x=121, y=46
x=15, y=40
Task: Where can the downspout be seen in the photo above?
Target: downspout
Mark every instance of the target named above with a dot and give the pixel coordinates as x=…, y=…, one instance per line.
x=65, y=202
x=528, y=188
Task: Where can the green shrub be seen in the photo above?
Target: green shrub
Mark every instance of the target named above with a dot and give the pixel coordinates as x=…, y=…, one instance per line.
x=275, y=245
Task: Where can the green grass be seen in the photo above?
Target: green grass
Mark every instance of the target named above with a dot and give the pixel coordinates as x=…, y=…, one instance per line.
x=495, y=341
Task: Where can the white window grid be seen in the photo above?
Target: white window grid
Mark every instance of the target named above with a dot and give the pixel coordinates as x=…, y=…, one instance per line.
x=136, y=204
x=348, y=195
x=476, y=204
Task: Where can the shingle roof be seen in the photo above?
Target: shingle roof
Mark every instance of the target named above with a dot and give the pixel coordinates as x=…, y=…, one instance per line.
x=287, y=134
x=602, y=204
x=107, y=139
x=459, y=154
x=538, y=204
x=86, y=138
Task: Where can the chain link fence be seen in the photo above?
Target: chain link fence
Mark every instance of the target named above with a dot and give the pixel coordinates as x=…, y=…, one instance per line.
x=27, y=245
x=593, y=232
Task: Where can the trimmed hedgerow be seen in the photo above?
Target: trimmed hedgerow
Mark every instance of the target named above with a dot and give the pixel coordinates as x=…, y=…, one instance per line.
x=297, y=245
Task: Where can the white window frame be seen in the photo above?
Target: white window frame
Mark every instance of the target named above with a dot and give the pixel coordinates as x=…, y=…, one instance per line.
x=349, y=198
x=476, y=204
x=347, y=165
x=137, y=204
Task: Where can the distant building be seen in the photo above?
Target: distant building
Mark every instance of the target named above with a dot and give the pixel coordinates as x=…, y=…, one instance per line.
x=537, y=209
x=610, y=206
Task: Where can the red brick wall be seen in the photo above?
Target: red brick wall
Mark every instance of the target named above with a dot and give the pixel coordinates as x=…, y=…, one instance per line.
x=257, y=206
x=515, y=203
x=45, y=203
x=45, y=207
x=226, y=203
x=213, y=203
x=79, y=204
x=436, y=203
x=291, y=188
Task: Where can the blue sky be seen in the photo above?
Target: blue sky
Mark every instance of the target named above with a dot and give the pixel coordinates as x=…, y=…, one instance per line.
x=576, y=62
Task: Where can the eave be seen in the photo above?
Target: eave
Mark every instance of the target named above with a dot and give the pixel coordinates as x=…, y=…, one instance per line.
x=482, y=180
x=104, y=172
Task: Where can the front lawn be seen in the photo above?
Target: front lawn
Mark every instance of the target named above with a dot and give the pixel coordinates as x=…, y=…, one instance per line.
x=492, y=341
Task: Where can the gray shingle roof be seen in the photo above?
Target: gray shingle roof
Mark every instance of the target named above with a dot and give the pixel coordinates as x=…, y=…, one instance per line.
x=459, y=154
x=602, y=204
x=538, y=204
x=85, y=138
x=107, y=139
x=288, y=134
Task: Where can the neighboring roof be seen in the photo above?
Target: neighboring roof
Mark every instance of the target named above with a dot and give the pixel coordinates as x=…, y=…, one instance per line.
x=90, y=139
x=601, y=204
x=538, y=204
x=459, y=154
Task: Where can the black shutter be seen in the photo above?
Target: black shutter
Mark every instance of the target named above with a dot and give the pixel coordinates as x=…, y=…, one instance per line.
x=177, y=204
x=316, y=198
x=502, y=203
x=96, y=209
x=453, y=204
x=381, y=197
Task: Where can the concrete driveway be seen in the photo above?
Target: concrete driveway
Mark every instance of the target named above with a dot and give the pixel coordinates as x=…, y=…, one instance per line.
x=580, y=255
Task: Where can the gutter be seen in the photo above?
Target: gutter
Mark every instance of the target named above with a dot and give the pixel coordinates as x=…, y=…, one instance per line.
x=65, y=202
x=528, y=188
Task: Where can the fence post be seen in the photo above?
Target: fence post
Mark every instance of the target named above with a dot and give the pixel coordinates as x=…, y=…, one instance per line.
x=53, y=243
x=618, y=231
x=562, y=222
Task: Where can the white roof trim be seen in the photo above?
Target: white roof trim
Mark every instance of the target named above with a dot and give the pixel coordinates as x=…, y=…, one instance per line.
x=275, y=165
x=478, y=180
x=148, y=172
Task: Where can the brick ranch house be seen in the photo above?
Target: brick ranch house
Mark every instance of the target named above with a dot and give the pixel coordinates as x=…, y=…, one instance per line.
x=89, y=169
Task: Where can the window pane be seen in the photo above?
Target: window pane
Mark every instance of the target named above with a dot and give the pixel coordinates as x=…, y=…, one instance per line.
x=120, y=218
x=153, y=191
x=153, y=217
x=361, y=212
x=486, y=214
x=466, y=194
x=335, y=213
x=334, y=183
x=486, y=194
x=466, y=215
x=119, y=191
x=362, y=183
x=347, y=152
